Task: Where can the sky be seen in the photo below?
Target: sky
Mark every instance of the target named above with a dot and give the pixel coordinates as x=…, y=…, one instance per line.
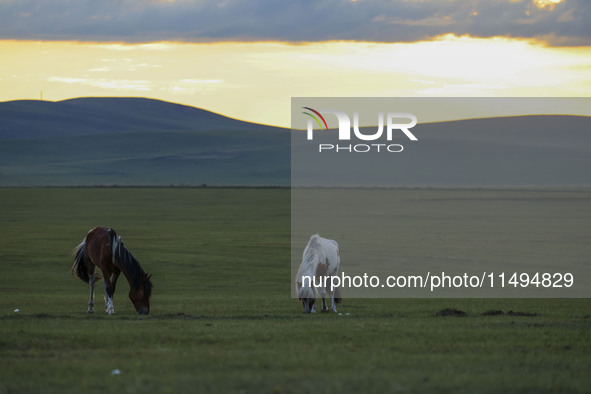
x=247, y=58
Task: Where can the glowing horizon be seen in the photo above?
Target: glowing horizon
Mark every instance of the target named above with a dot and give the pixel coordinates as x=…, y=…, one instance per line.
x=225, y=77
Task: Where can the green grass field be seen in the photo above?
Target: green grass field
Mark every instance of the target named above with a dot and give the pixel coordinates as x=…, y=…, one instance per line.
x=222, y=319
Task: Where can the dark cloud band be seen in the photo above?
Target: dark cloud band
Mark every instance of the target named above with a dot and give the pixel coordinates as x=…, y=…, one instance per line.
x=565, y=23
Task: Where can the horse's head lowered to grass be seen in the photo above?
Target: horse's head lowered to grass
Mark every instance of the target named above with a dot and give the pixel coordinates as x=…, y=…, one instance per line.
x=140, y=296
x=307, y=296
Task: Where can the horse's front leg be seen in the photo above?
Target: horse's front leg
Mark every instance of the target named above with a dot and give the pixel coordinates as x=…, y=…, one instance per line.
x=324, y=306
x=110, y=283
x=109, y=290
x=91, y=283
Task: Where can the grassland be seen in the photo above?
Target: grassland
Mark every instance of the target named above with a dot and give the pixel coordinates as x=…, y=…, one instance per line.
x=222, y=319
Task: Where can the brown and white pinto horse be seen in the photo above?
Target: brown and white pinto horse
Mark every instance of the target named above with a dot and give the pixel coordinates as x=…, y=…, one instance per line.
x=103, y=248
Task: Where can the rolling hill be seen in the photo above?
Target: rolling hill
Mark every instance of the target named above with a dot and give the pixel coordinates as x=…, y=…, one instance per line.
x=145, y=142
x=135, y=141
x=532, y=150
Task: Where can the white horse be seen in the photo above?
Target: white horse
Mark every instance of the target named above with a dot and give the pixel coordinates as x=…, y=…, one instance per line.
x=320, y=263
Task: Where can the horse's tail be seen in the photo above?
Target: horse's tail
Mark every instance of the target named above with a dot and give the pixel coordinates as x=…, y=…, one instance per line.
x=79, y=268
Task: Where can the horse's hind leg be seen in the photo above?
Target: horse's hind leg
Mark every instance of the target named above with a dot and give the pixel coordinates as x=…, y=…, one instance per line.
x=324, y=306
x=333, y=307
x=91, y=283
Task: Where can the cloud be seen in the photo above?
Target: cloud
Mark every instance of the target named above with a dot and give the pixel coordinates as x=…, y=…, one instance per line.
x=559, y=22
x=105, y=83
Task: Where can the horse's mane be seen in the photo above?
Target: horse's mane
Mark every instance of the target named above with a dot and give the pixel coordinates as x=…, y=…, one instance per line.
x=128, y=263
x=312, y=254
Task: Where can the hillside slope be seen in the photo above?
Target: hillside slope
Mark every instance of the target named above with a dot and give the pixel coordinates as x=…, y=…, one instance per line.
x=135, y=141
x=144, y=142
x=534, y=150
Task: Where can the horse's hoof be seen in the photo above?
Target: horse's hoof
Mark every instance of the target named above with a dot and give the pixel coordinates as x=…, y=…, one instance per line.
x=90, y=311
x=324, y=310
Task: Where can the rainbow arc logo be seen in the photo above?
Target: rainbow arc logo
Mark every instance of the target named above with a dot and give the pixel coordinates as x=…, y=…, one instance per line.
x=317, y=117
